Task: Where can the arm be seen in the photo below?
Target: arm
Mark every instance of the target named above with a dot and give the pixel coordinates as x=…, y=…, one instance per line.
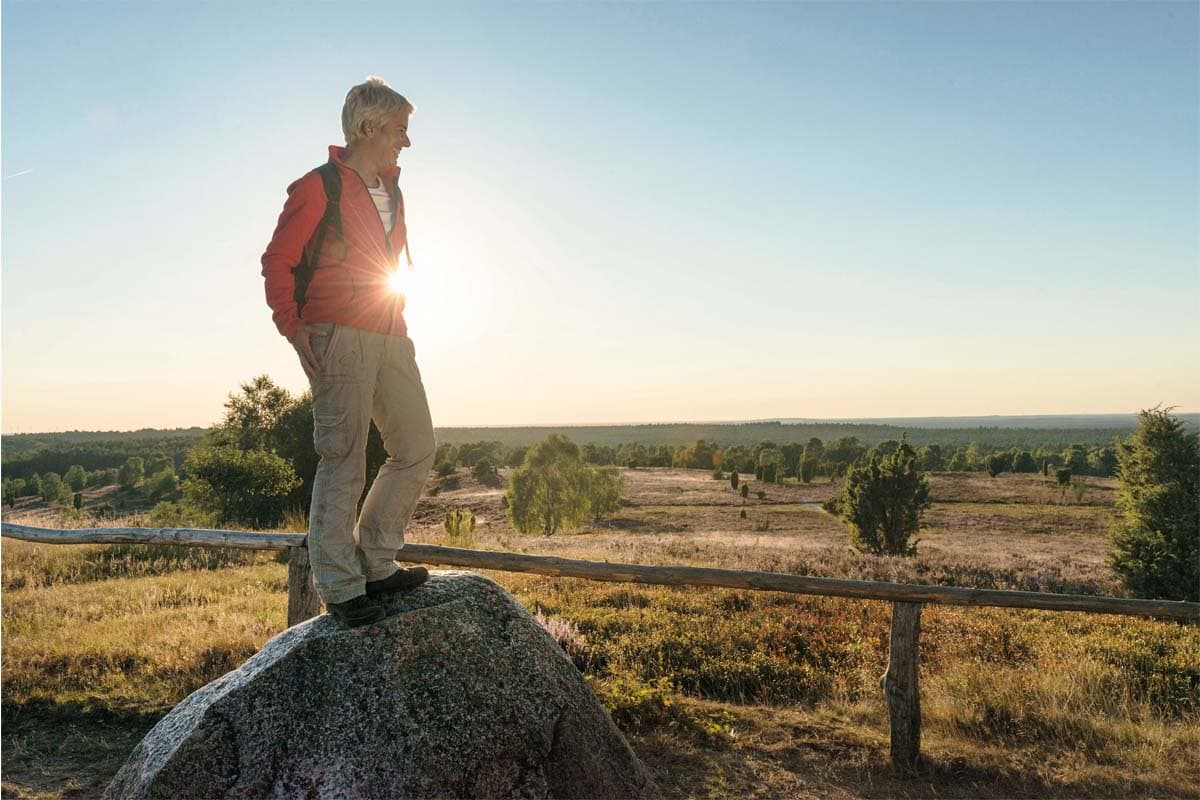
x=302, y=212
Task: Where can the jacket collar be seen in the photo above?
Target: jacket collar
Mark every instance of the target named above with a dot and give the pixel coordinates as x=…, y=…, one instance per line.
x=337, y=155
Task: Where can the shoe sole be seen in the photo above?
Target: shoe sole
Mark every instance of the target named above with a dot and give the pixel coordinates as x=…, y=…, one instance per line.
x=411, y=583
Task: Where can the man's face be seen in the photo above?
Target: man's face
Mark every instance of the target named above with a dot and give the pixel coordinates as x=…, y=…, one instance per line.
x=388, y=138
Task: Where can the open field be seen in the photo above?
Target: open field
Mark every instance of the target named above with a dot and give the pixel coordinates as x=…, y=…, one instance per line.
x=723, y=693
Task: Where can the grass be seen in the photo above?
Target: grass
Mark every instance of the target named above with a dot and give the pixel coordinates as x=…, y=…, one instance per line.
x=722, y=692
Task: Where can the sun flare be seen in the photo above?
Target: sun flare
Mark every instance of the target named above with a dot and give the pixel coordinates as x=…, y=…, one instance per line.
x=397, y=282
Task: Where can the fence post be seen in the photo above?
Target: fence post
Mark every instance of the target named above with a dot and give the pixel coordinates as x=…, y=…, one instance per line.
x=303, y=602
x=901, y=688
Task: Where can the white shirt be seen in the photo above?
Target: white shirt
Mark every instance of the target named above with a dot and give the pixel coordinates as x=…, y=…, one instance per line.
x=383, y=204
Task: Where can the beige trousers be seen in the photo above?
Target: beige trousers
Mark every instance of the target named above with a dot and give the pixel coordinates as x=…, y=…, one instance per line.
x=364, y=376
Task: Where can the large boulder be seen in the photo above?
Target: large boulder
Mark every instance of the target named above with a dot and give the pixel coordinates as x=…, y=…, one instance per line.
x=458, y=693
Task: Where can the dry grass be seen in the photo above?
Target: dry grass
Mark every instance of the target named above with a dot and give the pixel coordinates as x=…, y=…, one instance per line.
x=723, y=693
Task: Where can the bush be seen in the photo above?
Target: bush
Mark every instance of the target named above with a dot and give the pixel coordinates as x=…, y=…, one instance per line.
x=459, y=524
x=443, y=469
x=555, y=489
x=131, y=472
x=761, y=494
x=1063, y=476
x=485, y=472
x=762, y=525
x=998, y=462
x=883, y=502
x=51, y=487
x=733, y=479
x=743, y=514
x=75, y=477
x=745, y=490
x=718, y=474
x=239, y=487
x=1157, y=539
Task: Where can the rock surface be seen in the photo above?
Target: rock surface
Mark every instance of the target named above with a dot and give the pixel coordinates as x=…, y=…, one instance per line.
x=458, y=693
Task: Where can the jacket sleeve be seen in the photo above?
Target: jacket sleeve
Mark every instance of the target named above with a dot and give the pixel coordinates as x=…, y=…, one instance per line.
x=302, y=212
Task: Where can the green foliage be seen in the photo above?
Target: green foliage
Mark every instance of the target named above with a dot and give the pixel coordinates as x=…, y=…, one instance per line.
x=733, y=479
x=998, y=462
x=1075, y=457
x=697, y=455
x=51, y=487
x=718, y=474
x=1102, y=461
x=1063, y=476
x=33, y=486
x=745, y=490
x=485, y=472
x=762, y=525
x=555, y=489
x=75, y=477
x=883, y=501
x=1023, y=461
x=166, y=514
x=239, y=487
x=459, y=524
x=760, y=494
x=77, y=500
x=1157, y=541
x=808, y=469
x=743, y=514
x=162, y=482
x=132, y=472
x=444, y=468
x=931, y=459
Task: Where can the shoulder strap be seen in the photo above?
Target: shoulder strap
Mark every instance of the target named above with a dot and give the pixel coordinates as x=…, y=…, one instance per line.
x=331, y=180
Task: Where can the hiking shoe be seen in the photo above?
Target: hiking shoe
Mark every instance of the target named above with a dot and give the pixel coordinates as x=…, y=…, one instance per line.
x=400, y=581
x=357, y=611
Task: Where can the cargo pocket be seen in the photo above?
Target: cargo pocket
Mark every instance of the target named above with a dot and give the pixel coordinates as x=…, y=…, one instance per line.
x=331, y=432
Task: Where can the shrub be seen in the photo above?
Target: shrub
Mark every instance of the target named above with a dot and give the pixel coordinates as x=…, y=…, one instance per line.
x=239, y=487
x=1063, y=476
x=1157, y=540
x=555, y=489
x=132, y=472
x=75, y=477
x=51, y=487
x=762, y=525
x=808, y=469
x=444, y=468
x=484, y=471
x=718, y=474
x=733, y=479
x=997, y=463
x=762, y=495
x=745, y=490
x=459, y=524
x=883, y=501
x=743, y=514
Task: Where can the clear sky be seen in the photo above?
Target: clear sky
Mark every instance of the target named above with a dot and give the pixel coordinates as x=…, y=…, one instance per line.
x=619, y=212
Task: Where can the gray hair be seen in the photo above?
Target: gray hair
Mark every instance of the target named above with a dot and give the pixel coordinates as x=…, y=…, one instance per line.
x=370, y=102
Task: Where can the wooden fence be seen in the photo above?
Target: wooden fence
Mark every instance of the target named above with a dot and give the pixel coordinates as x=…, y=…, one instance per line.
x=899, y=682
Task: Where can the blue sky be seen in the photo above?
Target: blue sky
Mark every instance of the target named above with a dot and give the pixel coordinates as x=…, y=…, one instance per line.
x=619, y=212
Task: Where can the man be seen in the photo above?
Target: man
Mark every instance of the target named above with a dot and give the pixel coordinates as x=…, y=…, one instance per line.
x=328, y=273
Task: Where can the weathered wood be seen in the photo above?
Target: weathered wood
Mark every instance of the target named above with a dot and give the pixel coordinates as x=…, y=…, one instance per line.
x=303, y=602
x=178, y=536
x=638, y=573
x=796, y=584
x=901, y=686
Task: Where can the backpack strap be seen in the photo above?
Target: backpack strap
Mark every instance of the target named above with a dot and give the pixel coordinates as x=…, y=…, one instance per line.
x=331, y=180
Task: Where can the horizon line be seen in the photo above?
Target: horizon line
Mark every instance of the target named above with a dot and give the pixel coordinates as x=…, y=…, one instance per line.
x=882, y=421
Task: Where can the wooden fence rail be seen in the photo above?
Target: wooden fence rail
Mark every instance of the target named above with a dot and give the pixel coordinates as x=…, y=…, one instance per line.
x=899, y=682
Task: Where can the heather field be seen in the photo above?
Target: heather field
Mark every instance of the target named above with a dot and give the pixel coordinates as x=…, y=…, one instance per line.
x=723, y=693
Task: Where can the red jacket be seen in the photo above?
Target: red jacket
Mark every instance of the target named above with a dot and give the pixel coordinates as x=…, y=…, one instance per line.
x=351, y=287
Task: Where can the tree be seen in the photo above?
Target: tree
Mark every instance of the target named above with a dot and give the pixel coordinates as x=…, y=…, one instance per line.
x=1157, y=538
x=1063, y=476
x=808, y=469
x=883, y=501
x=10, y=492
x=75, y=477
x=733, y=479
x=51, y=487
x=931, y=458
x=131, y=472
x=745, y=490
x=485, y=472
x=1075, y=457
x=239, y=487
x=251, y=417
x=555, y=489
x=998, y=462
x=1102, y=461
x=1023, y=462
